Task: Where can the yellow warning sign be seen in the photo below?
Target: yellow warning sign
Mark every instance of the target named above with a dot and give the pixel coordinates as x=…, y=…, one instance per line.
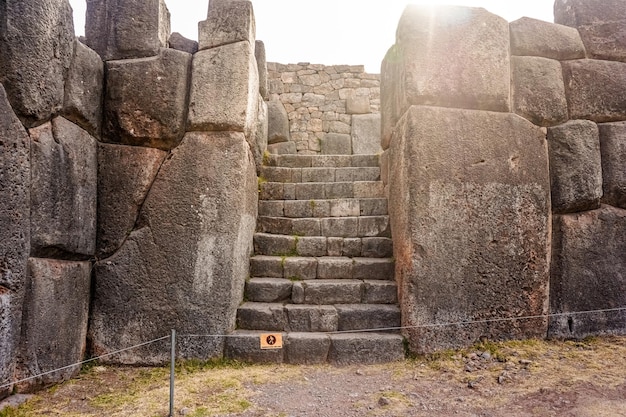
x=272, y=341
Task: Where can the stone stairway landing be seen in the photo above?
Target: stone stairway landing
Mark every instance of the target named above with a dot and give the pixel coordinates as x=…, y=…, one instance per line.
x=322, y=272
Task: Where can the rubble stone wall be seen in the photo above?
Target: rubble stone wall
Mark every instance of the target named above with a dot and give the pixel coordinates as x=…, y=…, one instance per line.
x=330, y=109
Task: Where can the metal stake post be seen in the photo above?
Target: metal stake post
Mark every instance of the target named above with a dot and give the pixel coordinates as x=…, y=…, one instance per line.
x=172, y=369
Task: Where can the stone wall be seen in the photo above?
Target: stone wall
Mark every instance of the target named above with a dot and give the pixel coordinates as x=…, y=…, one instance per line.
x=330, y=109
x=501, y=166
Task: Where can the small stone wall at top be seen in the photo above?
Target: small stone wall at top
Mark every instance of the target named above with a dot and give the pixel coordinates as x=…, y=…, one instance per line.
x=330, y=109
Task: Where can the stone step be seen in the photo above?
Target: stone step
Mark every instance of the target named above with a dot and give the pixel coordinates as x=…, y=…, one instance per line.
x=321, y=161
x=324, y=208
x=317, y=318
x=326, y=267
x=285, y=245
x=317, y=348
x=362, y=226
x=320, y=292
x=300, y=175
x=320, y=190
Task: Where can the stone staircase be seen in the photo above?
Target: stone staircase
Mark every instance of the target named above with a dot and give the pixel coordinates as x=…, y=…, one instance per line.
x=322, y=271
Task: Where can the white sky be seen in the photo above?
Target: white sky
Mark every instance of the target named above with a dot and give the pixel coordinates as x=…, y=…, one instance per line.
x=329, y=31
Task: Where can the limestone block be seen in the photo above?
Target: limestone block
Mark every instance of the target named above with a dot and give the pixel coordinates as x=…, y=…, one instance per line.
x=132, y=89
x=357, y=104
x=54, y=326
x=601, y=23
x=336, y=144
x=474, y=184
x=278, y=121
x=122, y=29
x=125, y=175
x=533, y=37
x=228, y=22
x=538, y=90
x=36, y=44
x=575, y=166
x=83, y=90
x=588, y=273
x=180, y=43
x=14, y=233
x=596, y=90
x=366, y=134
x=283, y=148
x=224, y=89
x=63, y=190
x=613, y=150
x=185, y=265
x=392, y=103
x=261, y=61
x=258, y=142
x=454, y=56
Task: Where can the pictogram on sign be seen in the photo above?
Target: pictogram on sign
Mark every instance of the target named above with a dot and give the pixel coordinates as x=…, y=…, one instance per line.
x=272, y=341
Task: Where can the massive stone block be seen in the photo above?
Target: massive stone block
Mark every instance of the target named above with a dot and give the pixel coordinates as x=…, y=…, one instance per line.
x=470, y=214
x=532, y=37
x=366, y=134
x=575, y=167
x=261, y=62
x=63, y=190
x=122, y=29
x=392, y=101
x=224, y=89
x=601, y=23
x=185, y=265
x=596, y=90
x=125, y=175
x=146, y=100
x=83, y=89
x=613, y=151
x=54, y=326
x=36, y=45
x=454, y=57
x=278, y=122
x=228, y=22
x=180, y=43
x=588, y=273
x=258, y=143
x=14, y=233
x=538, y=91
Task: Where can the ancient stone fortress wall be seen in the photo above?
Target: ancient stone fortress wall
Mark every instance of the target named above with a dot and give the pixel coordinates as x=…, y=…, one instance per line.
x=128, y=181
x=504, y=164
x=330, y=109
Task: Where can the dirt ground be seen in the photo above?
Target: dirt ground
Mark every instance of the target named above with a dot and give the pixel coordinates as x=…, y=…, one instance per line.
x=512, y=379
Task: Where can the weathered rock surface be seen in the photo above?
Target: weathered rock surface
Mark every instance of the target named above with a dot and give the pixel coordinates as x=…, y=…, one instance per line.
x=575, y=166
x=224, y=89
x=391, y=102
x=63, y=190
x=180, y=43
x=588, y=273
x=538, y=90
x=146, y=100
x=185, y=265
x=532, y=37
x=228, y=22
x=54, y=326
x=125, y=175
x=83, y=89
x=336, y=144
x=596, y=90
x=601, y=23
x=476, y=185
x=122, y=29
x=278, y=122
x=366, y=134
x=258, y=142
x=261, y=61
x=613, y=150
x=14, y=233
x=35, y=57
x=454, y=57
